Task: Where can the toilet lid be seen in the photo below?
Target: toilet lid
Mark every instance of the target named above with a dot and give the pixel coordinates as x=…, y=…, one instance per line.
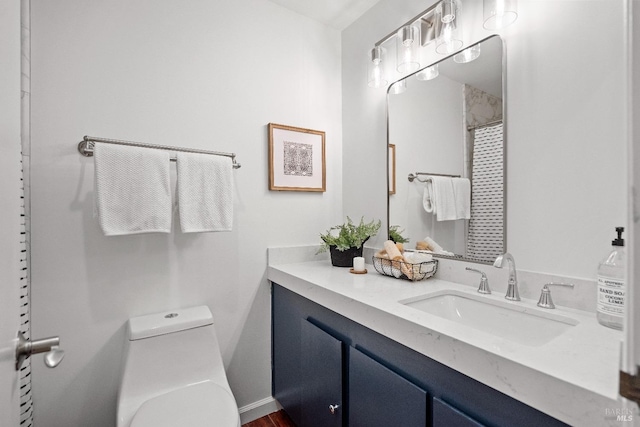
x=203, y=404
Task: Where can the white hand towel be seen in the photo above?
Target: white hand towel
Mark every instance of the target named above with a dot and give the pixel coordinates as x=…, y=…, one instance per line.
x=462, y=193
x=205, y=192
x=443, y=198
x=132, y=190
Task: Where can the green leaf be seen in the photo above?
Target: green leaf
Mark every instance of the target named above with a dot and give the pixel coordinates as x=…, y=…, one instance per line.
x=349, y=235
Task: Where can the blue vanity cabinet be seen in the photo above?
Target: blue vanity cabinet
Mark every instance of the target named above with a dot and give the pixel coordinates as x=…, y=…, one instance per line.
x=378, y=397
x=383, y=383
x=321, y=378
x=307, y=368
x=445, y=415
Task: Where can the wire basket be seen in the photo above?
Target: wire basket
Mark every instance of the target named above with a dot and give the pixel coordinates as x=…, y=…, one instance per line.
x=405, y=270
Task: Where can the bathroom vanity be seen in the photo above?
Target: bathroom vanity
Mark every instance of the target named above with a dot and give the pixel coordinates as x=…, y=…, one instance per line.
x=362, y=350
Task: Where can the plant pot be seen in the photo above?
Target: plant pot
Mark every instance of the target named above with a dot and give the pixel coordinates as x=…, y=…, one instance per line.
x=344, y=258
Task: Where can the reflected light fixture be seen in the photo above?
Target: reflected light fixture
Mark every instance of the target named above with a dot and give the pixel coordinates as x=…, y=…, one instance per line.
x=407, y=44
x=499, y=13
x=375, y=69
x=428, y=73
x=450, y=36
x=398, y=87
x=467, y=55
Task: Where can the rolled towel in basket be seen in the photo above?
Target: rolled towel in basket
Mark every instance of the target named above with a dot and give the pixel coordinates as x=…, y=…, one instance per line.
x=392, y=250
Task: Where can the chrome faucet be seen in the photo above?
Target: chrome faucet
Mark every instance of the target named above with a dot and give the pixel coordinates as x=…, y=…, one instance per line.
x=512, y=289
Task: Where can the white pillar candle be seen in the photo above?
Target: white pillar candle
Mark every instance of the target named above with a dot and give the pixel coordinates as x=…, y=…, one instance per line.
x=358, y=263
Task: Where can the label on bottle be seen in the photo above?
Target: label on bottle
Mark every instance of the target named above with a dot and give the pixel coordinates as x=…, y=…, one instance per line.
x=610, y=296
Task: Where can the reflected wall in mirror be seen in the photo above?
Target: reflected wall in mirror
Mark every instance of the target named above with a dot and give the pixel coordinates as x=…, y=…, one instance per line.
x=448, y=132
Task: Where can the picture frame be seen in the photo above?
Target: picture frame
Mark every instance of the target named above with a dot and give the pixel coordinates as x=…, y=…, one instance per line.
x=296, y=159
x=392, y=168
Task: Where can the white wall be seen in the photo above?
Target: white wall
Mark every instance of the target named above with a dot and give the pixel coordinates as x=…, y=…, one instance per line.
x=566, y=186
x=200, y=74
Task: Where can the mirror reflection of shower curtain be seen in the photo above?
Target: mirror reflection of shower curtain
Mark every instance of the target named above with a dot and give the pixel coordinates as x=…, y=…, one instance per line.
x=485, y=233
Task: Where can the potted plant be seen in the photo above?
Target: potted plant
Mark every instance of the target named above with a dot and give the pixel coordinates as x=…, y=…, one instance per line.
x=345, y=241
x=395, y=234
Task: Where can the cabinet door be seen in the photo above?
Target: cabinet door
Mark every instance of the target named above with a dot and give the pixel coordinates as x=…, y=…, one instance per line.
x=378, y=397
x=321, y=378
x=445, y=415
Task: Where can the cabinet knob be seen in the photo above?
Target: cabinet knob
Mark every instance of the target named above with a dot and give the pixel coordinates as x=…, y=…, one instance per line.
x=333, y=409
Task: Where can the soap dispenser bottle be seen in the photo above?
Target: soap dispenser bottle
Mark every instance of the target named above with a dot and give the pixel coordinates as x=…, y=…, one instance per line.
x=611, y=285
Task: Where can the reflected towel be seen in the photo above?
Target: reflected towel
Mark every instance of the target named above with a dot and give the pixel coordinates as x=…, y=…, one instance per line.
x=132, y=190
x=462, y=194
x=439, y=198
x=205, y=192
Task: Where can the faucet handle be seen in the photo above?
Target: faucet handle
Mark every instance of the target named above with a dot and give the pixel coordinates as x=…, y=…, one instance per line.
x=484, y=282
x=545, y=300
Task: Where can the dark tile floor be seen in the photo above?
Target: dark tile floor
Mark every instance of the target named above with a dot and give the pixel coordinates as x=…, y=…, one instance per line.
x=276, y=419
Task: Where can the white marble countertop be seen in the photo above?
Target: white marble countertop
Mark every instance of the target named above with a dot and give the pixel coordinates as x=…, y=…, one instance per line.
x=573, y=377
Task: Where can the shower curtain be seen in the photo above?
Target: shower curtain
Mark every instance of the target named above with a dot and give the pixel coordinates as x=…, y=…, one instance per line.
x=485, y=234
x=26, y=400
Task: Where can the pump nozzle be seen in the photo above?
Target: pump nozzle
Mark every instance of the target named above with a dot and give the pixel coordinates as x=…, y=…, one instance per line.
x=619, y=241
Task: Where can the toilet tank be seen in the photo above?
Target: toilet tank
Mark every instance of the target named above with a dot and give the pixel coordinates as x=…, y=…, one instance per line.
x=167, y=351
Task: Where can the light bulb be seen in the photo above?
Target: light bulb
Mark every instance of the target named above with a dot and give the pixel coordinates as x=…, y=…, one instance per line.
x=449, y=41
x=467, y=55
x=408, y=42
x=398, y=87
x=375, y=68
x=499, y=13
x=428, y=73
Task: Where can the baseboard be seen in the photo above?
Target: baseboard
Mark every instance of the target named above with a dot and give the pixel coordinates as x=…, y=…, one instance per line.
x=258, y=409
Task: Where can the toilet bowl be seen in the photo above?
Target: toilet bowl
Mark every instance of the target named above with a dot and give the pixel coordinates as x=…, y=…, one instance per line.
x=173, y=373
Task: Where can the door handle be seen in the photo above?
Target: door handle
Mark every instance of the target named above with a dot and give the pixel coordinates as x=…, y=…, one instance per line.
x=26, y=348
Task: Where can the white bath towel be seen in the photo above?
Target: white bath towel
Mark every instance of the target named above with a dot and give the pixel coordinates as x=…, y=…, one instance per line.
x=205, y=192
x=462, y=193
x=439, y=199
x=132, y=190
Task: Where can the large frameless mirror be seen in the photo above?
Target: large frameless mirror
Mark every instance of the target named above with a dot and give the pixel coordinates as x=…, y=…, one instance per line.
x=446, y=127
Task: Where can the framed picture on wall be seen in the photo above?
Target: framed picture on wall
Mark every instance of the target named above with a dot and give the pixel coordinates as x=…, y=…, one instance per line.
x=296, y=159
x=392, y=169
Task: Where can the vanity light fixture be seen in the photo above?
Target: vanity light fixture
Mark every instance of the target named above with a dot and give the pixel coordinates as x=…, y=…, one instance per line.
x=440, y=23
x=375, y=69
x=428, y=73
x=467, y=55
x=449, y=38
x=499, y=13
x=398, y=87
x=407, y=44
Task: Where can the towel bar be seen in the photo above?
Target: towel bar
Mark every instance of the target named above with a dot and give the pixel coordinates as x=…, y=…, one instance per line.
x=85, y=147
x=412, y=176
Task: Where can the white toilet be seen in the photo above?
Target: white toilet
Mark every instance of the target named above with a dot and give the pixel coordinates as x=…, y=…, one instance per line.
x=173, y=373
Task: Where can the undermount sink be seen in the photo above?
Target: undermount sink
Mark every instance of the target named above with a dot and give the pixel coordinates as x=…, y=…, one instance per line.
x=512, y=321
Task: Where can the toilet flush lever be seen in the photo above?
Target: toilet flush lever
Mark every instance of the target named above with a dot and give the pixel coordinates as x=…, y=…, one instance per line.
x=26, y=348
